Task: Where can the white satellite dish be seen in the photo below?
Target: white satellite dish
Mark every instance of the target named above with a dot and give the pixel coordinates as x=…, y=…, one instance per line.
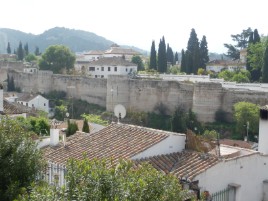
x=119, y=111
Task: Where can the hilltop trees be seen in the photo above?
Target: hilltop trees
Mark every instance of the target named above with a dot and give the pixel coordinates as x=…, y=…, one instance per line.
x=153, y=64
x=170, y=55
x=20, y=52
x=57, y=58
x=8, y=48
x=203, y=53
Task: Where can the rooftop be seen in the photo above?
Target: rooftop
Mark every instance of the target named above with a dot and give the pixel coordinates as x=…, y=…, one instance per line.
x=112, y=61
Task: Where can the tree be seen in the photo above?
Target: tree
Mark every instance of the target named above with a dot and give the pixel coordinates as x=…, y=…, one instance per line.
x=170, y=55
x=85, y=126
x=20, y=52
x=183, y=61
x=256, y=36
x=72, y=128
x=104, y=180
x=162, y=56
x=246, y=112
x=36, y=51
x=176, y=58
x=57, y=58
x=241, y=43
x=30, y=57
x=192, y=53
x=20, y=160
x=153, y=64
x=10, y=83
x=136, y=59
x=26, y=49
x=8, y=48
x=178, y=121
x=203, y=53
x=265, y=67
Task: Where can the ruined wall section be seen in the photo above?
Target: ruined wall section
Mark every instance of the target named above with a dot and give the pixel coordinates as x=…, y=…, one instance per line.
x=148, y=95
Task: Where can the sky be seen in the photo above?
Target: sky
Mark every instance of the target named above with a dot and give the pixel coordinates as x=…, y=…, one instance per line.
x=139, y=22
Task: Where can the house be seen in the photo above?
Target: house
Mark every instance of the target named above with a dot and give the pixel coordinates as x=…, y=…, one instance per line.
x=240, y=173
x=219, y=65
x=110, y=66
x=11, y=108
x=34, y=101
x=93, y=55
x=117, y=51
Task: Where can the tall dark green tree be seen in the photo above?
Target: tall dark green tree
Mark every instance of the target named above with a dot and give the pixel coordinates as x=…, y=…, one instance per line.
x=136, y=59
x=176, y=58
x=250, y=41
x=178, y=121
x=256, y=36
x=26, y=49
x=170, y=55
x=192, y=53
x=36, y=51
x=20, y=52
x=153, y=64
x=183, y=61
x=8, y=48
x=162, y=56
x=10, y=83
x=85, y=126
x=203, y=53
x=265, y=67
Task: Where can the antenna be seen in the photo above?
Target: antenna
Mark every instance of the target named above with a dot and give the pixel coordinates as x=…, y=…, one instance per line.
x=119, y=112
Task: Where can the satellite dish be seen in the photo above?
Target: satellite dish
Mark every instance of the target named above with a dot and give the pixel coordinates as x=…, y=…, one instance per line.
x=119, y=111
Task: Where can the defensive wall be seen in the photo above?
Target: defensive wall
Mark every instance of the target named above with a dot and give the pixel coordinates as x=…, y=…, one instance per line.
x=205, y=98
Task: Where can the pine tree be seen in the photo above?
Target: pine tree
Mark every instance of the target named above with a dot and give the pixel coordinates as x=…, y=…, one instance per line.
x=203, y=53
x=85, y=126
x=193, y=54
x=153, y=57
x=26, y=49
x=36, y=52
x=20, y=52
x=250, y=41
x=162, y=56
x=183, y=61
x=8, y=48
x=256, y=36
x=265, y=67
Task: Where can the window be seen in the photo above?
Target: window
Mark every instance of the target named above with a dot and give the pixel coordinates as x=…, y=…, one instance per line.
x=102, y=76
x=109, y=68
x=126, y=69
x=26, y=104
x=96, y=76
x=44, y=104
x=91, y=68
x=97, y=68
x=102, y=68
x=115, y=68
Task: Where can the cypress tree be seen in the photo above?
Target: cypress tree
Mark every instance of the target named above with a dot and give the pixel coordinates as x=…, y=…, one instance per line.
x=203, y=53
x=256, y=36
x=265, y=67
x=162, y=56
x=20, y=52
x=183, y=61
x=250, y=41
x=26, y=49
x=153, y=57
x=8, y=48
x=170, y=55
x=85, y=126
x=193, y=54
x=176, y=58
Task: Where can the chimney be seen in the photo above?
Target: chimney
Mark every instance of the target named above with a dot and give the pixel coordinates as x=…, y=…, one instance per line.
x=1, y=99
x=54, y=137
x=263, y=130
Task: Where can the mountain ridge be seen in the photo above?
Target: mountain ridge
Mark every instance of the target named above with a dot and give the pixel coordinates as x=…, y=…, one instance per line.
x=76, y=40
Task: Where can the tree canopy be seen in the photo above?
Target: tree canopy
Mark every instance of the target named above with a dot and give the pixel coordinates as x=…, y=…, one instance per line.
x=57, y=58
x=136, y=59
x=162, y=56
x=153, y=63
x=246, y=112
x=20, y=160
x=103, y=180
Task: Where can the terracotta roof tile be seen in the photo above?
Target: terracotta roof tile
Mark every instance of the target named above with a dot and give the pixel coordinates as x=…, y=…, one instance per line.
x=115, y=140
x=183, y=164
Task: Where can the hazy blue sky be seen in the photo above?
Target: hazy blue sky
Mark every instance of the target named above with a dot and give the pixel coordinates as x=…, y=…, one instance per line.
x=138, y=22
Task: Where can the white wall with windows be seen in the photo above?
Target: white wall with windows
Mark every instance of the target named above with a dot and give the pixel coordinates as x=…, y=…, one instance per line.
x=105, y=70
x=38, y=102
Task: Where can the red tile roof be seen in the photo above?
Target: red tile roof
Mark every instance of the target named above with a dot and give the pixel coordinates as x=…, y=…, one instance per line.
x=116, y=141
x=236, y=143
x=182, y=164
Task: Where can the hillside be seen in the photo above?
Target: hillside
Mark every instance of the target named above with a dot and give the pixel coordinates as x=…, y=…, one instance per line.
x=76, y=40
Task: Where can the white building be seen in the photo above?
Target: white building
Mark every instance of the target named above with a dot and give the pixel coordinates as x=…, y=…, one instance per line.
x=110, y=66
x=34, y=101
x=117, y=51
x=93, y=55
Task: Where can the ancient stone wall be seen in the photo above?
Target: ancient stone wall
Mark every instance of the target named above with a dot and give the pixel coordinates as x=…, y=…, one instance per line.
x=205, y=98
